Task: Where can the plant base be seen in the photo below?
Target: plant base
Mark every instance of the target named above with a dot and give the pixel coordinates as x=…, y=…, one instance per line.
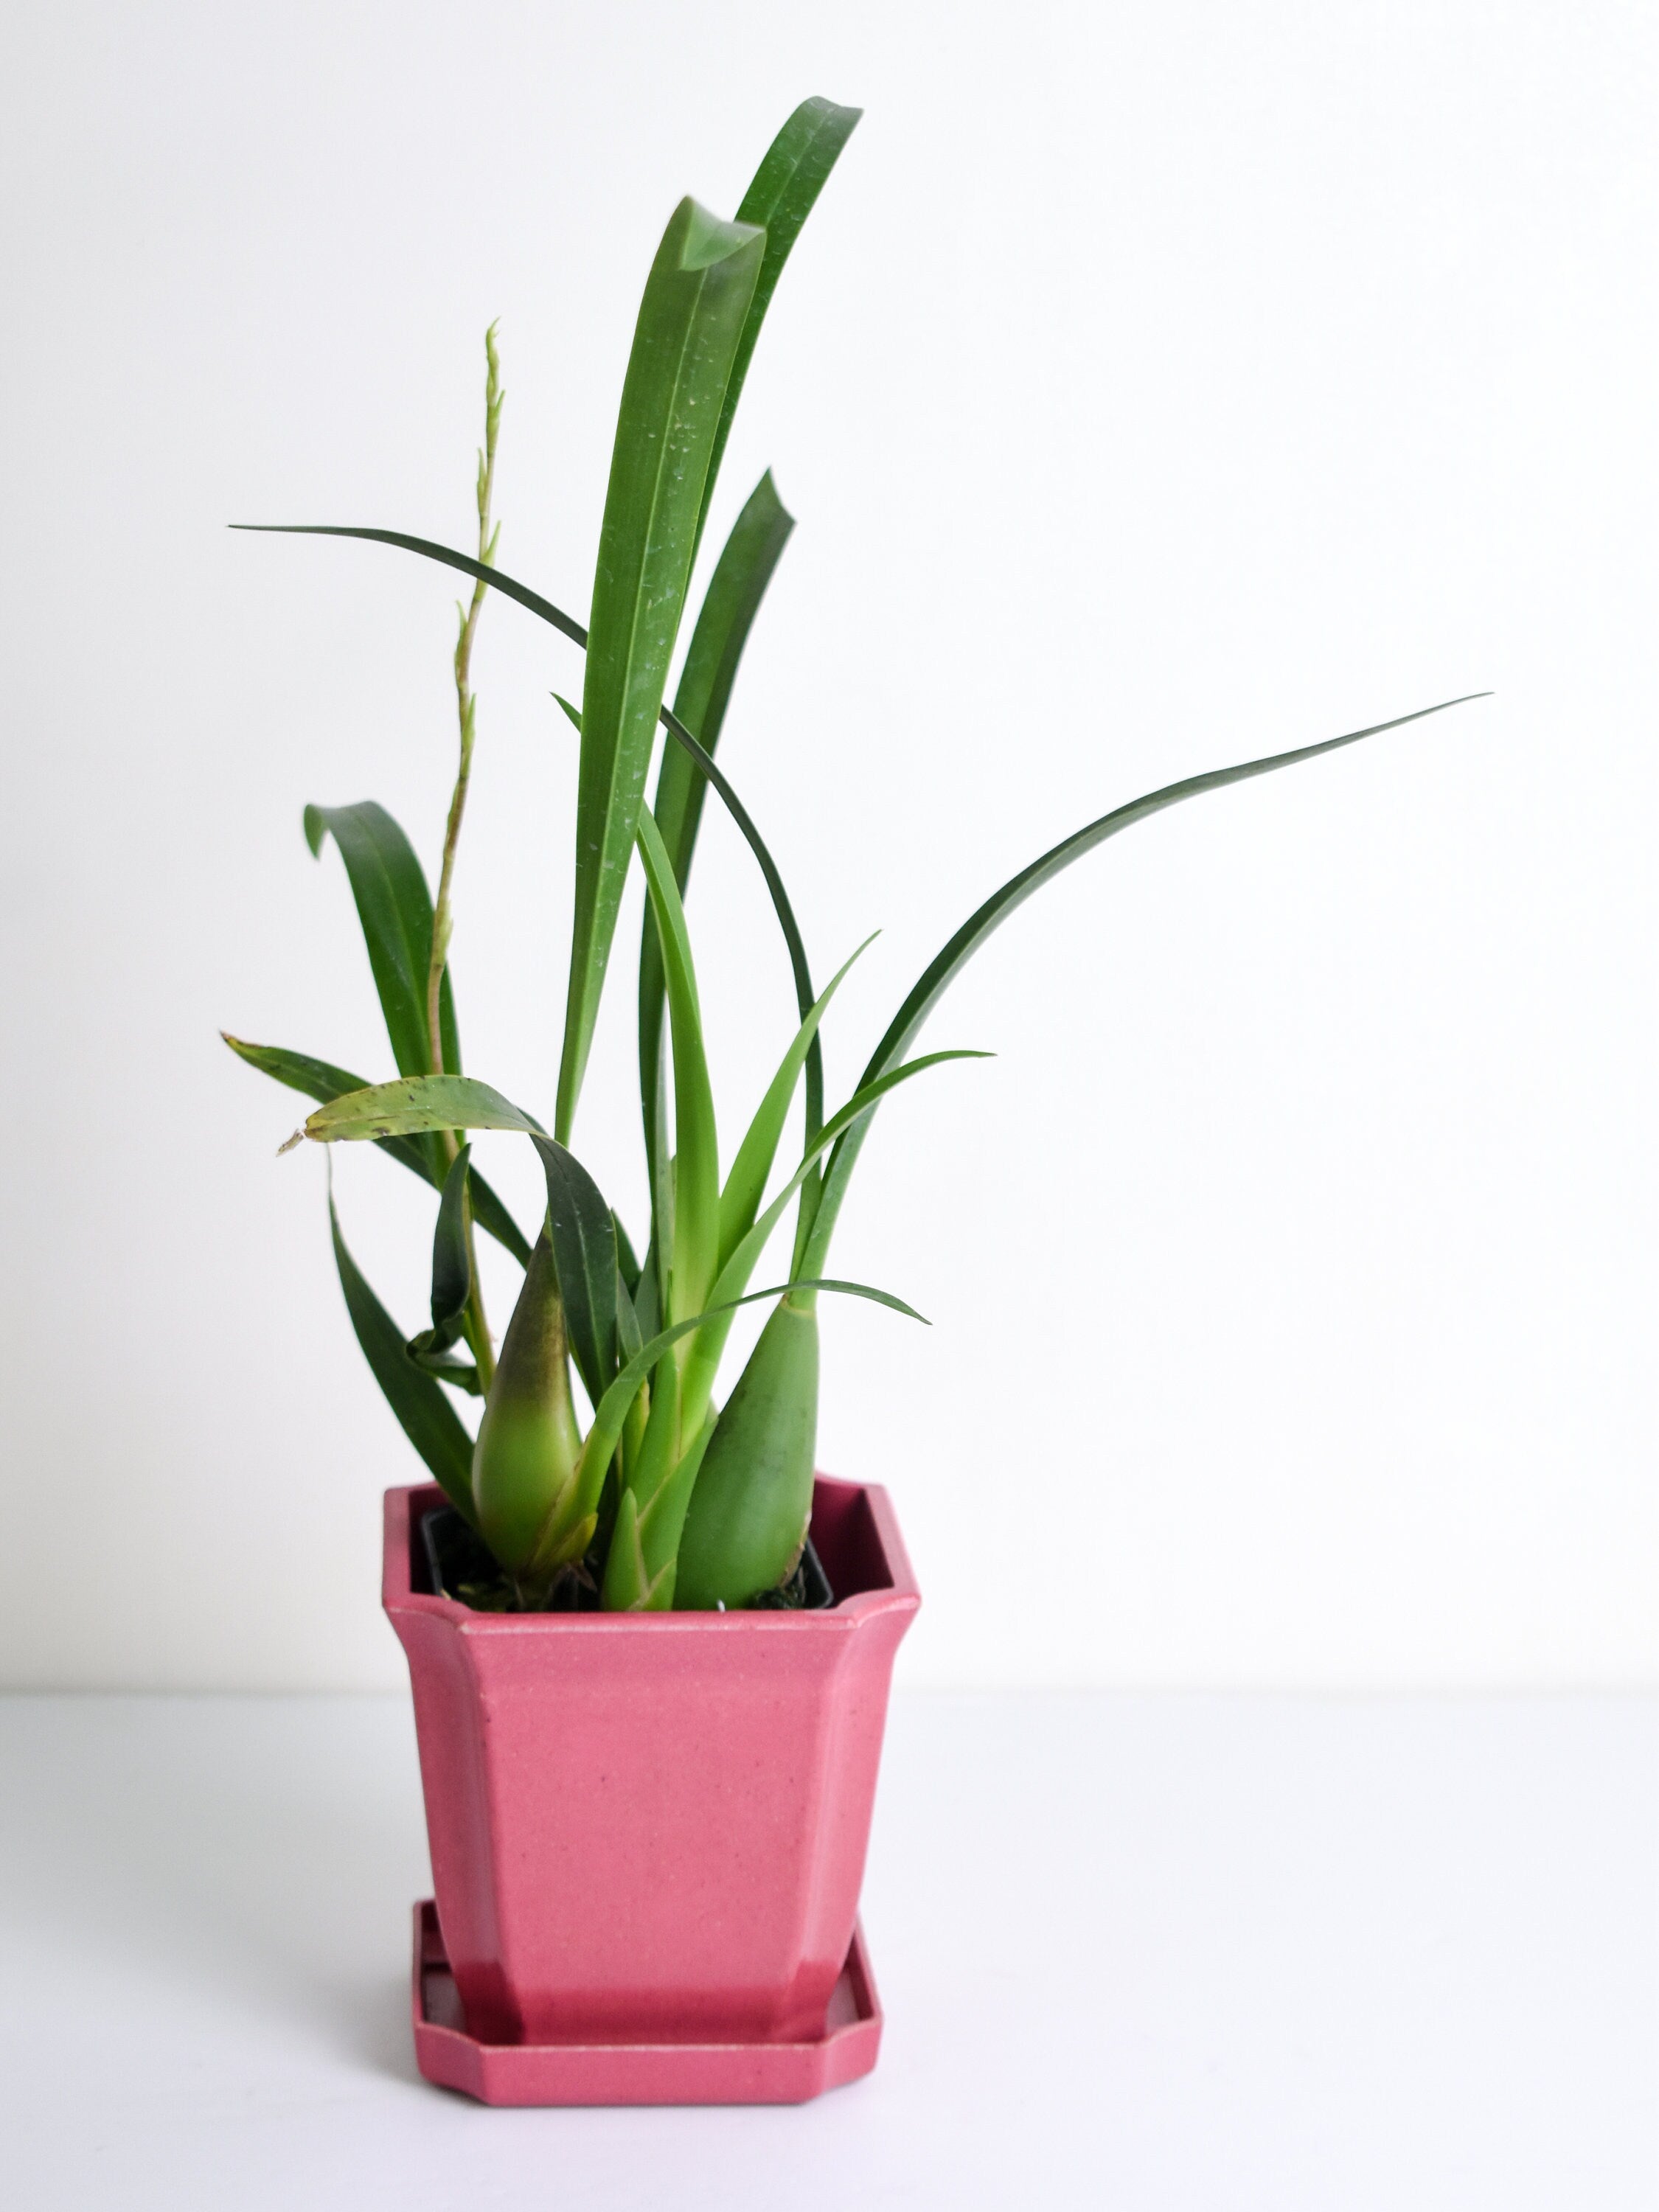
x=637, y=2073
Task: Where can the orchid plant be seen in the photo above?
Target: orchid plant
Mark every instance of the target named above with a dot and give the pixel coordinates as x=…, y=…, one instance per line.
x=668, y=1496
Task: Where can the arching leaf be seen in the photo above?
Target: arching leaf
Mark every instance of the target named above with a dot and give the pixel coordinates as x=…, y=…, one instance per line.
x=411, y=1103
x=427, y=1417
x=395, y=908
x=316, y=1079
x=585, y=1259
x=955, y=954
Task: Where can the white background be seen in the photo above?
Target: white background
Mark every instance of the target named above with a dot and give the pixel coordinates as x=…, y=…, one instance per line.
x=1249, y=1953
x=1156, y=387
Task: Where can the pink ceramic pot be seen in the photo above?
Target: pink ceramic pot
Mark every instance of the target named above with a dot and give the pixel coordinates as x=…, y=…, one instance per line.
x=650, y=1827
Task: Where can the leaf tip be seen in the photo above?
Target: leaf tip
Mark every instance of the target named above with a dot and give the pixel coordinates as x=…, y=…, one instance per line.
x=706, y=239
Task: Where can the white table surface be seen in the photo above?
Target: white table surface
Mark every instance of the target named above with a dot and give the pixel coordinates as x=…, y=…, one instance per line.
x=1137, y=1953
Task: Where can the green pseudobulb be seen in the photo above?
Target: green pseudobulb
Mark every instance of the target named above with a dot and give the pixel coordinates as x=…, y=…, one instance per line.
x=753, y=1498
x=528, y=1442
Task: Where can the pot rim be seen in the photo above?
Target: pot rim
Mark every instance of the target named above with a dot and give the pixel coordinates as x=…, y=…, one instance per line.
x=899, y=1593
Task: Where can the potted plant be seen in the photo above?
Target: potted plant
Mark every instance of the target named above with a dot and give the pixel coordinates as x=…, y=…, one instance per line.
x=649, y=1646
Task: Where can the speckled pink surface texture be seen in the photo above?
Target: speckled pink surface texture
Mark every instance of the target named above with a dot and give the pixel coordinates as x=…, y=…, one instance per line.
x=650, y=1829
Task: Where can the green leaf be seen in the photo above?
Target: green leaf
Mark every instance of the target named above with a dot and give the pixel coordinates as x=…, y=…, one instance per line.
x=452, y=1268
x=749, y=1247
x=648, y=1292
x=697, y=1386
x=410, y=1103
x=769, y=868
x=753, y=1501
x=460, y=1374
x=316, y=1078
x=452, y=1271
x=690, y=322
x=746, y=1182
x=566, y=624
x=639, y=1568
x=629, y=1336
x=956, y=953
x=628, y=1267
x=612, y=1411
x=584, y=1234
x=395, y=908
x=780, y=198
x=626, y=1578
x=729, y=608
x=428, y=1419
x=529, y=1446
x=468, y=563
x=730, y=604
x=696, y=1176
x=489, y=1213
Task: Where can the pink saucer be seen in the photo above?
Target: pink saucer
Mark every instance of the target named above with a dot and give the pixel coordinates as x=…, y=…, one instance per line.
x=637, y=2073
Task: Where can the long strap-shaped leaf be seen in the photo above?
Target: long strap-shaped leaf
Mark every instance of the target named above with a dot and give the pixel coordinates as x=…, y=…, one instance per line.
x=955, y=954
x=697, y=1223
x=780, y=198
x=729, y=606
x=583, y=1231
x=691, y=320
x=568, y=626
x=697, y=1385
x=745, y=1184
x=316, y=1079
x=395, y=908
x=428, y=1419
